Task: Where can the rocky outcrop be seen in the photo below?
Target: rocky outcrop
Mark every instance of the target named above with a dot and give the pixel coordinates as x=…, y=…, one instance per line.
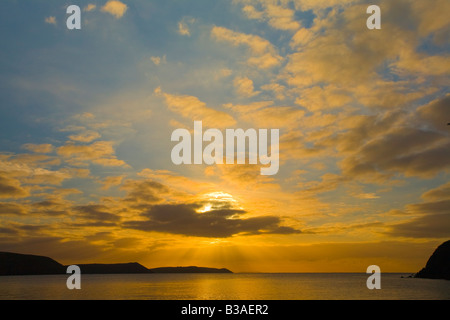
x=438, y=266
x=26, y=264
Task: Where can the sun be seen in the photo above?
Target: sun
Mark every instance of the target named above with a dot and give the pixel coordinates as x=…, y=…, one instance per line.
x=205, y=208
x=220, y=196
x=217, y=200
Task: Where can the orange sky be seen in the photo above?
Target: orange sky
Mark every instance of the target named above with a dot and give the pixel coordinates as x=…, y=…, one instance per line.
x=86, y=121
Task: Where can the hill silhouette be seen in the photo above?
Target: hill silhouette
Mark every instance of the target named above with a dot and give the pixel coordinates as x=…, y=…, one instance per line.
x=438, y=265
x=116, y=268
x=27, y=264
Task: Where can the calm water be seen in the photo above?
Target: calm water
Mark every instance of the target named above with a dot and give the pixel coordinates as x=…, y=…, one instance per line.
x=222, y=287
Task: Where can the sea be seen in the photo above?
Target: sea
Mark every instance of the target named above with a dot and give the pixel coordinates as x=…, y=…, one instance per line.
x=237, y=286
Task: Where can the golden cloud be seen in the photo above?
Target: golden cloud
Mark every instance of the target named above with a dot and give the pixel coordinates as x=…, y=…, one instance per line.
x=90, y=7
x=263, y=53
x=192, y=108
x=38, y=148
x=100, y=152
x=50, y=20
x=244, y=87
x=87, y=136
x=278, y=17
x=115, y=8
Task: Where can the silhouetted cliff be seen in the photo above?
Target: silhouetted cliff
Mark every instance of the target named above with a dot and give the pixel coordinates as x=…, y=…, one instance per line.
x=26, y=264
x=133, y=267
x=438, y=266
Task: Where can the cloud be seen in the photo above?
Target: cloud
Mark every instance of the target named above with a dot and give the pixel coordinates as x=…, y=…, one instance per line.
x=111, y=182
x=428, y=226
x=9, y=208
x=52, y=203
x=8, y=231
x=366, y=196
x=301, y=38
x=440, y=193
x=183, y=26
x=158, y=60
x=434, y=207
x=50, y=20
x=30, y=170
x=244, y=87
x=146, y=191
x=319, y=98
x=262, y=53
x=431, y=219
x=413, y=152
x=115, y=8
x=11, y=188
x=393, y=143
x=432, y=19
x=281, y=18
x=263, y=115
x=183, y=29
x=277, y=89
x=334, y=50
x=185, y=220
x=192, y=108
x=95, y=215
x=436, y=113
x=176, y=181
x=278, y=17
x=38, y=148
x=86, y=136
x=89, y=7
x=315, y=5
x=252, y=13
x=244, y=178
x=100, y=152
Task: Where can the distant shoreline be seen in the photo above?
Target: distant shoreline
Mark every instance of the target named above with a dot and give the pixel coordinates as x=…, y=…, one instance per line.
x=16, y=264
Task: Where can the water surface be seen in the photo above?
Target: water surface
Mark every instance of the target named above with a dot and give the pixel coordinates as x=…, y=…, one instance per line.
x=299, y=286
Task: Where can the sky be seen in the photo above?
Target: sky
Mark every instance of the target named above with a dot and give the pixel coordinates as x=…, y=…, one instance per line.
x=86, y=118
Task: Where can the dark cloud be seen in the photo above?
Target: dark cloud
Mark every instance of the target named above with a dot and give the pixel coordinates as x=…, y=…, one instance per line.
x=437, y=113
x=8, y=231
x=144, y=191
x=379, y=147
x=33, y=228
x=46, y=204
x=413, y=152
x=436, y=207
x=427, y=226
x=439, y=193
x=93, y=224
x=8, y=208
x=49, y=207
x=96, y=215
x=185, y=220
x=431, y=218
x=11, y=188
x=364, y=128
x=434, y=219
